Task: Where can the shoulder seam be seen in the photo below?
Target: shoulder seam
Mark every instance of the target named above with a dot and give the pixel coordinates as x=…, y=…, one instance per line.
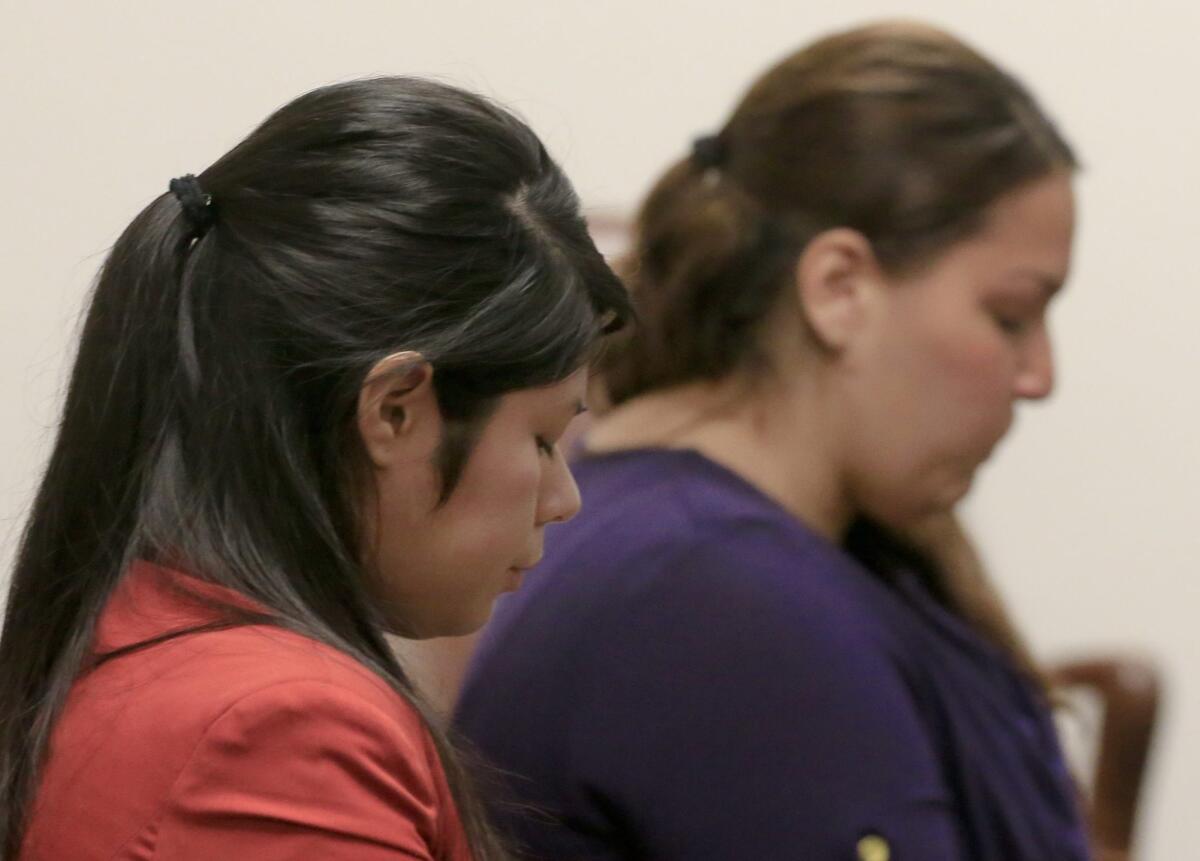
x=154, y=819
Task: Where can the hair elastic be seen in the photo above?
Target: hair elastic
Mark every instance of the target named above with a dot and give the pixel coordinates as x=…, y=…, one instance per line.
x=196, y=203
x=709, y=151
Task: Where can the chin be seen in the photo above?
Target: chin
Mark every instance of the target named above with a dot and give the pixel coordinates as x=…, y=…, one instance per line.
x=952, y=498
x=944, y=504
x=456, y=626
x=951, y=489
x=919, y=512
x=464, y=627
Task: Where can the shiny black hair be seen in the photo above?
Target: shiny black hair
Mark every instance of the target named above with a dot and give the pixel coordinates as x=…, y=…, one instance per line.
x=209, y=415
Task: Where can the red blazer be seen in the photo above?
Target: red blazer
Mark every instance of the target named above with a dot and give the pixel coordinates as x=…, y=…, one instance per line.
x=245, y=743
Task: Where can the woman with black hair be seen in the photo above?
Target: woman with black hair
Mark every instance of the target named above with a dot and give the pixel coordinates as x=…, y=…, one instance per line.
x=316, y=399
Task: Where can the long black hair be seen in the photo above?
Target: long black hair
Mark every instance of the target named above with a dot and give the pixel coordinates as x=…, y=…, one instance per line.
x=209, y=415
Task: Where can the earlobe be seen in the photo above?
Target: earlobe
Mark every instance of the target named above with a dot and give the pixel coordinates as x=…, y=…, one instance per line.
x=833, y=280
x=397, y=408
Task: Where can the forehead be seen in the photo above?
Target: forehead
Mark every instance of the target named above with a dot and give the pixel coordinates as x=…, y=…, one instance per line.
x=564, y=397
x=1030, y=228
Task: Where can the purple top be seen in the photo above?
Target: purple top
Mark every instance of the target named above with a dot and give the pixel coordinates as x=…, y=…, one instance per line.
x=693, y=674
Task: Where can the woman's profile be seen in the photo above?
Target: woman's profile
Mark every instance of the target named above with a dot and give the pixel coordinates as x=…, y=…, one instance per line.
x=315, y=400
x=766, y=637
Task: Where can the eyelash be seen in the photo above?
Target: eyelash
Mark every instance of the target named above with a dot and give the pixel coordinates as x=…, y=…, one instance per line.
x=1010, y=325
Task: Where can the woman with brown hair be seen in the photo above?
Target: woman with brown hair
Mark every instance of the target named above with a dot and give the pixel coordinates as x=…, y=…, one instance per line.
x=766, y=637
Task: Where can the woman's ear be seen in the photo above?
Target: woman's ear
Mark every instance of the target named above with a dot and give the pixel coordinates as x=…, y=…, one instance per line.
x=398, y=413
x=836, y=280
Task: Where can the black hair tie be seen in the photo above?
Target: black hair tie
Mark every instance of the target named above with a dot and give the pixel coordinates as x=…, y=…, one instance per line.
x=196, y=203
x=708, y=151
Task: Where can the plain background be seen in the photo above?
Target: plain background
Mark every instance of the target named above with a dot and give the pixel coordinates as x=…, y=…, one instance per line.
x=1087, y=513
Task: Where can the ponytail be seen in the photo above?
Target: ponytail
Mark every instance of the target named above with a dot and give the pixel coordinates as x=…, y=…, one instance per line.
x=706, y=268
x=76, y=542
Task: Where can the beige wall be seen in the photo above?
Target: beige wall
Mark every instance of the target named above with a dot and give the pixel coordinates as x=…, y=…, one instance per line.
x=1087, y=514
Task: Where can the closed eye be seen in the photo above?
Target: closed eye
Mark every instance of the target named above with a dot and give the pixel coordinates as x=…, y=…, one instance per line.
x=545, y=447
x=1011, y=325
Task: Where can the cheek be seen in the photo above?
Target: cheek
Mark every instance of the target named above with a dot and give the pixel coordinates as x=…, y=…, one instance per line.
x=944, y=400
x=516, y=478
x=967, y=409
x=396, y=509
x=450, y=564
x=496, y=502
x=934, y=376
x=975, y=373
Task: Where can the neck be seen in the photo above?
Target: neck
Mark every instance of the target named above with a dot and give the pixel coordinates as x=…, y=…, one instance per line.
x=780, y=437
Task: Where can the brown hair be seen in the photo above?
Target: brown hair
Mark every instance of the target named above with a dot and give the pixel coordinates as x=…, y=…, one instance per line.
x=896, y=130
